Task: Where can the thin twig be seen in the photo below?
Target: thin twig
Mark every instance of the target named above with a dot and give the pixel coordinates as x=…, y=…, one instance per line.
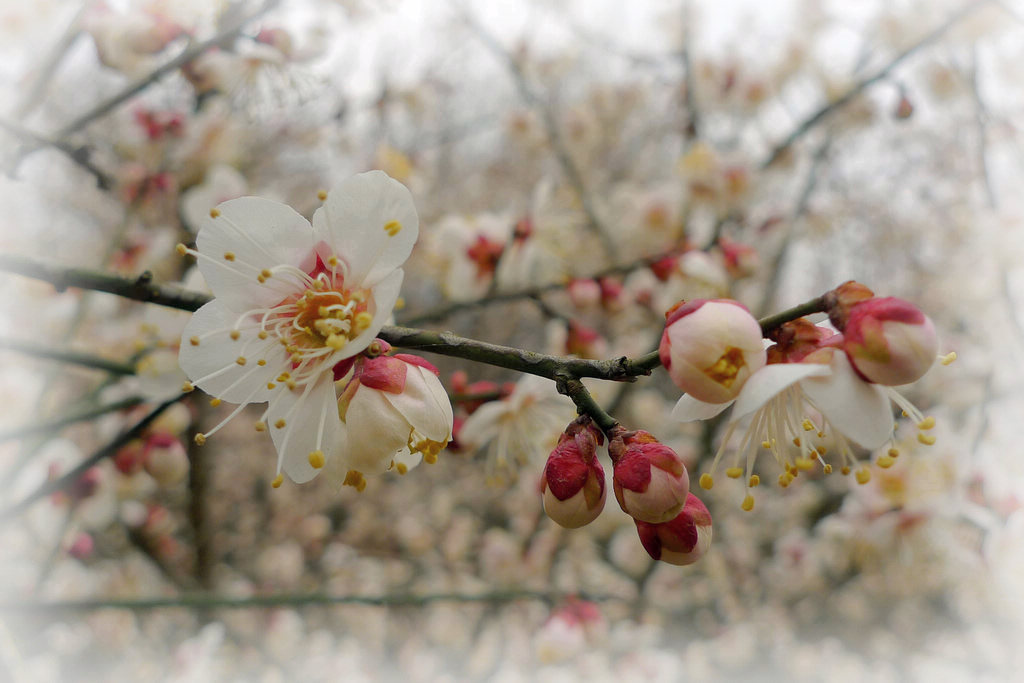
x=56, y=424
x=981, y=118
x=826, y=110
x=78, y=154
x=85, y=360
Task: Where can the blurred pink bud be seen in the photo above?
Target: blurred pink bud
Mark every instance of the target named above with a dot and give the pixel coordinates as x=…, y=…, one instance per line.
x=165, y=459
x=573, y=483
x=128, y=459
x=890, y=341
x=611, y=294
x=584, y=292
x=740, y=259
x=585, y=341
x=711, y=347
x=650, y=480
x=681, y=541
x=82, y=546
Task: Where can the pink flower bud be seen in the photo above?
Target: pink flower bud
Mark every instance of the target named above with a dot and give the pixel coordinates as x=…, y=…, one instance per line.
x=710, y=348
x=165, y=459
x=82, y=546
x=681, y=541
x=573, y=483
x=584, y=292
x=890, y=341
x=650, y=479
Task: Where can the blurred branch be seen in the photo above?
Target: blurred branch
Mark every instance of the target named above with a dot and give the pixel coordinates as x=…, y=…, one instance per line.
x=692, y=129
x=821, y=114
x=73, y=357
x=141, y=288
x=77, y=153
x=191, y=601
x=554, y=134
x=981, y=119
x=63, y=421
x=69, y=478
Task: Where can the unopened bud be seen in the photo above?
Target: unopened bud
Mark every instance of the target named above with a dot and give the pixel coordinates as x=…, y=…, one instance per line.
x=710, y=348
x=890, y=341
x=165, y=459
x=681, y=541
x=650, y=479
x=840, y=300
x=573, y=483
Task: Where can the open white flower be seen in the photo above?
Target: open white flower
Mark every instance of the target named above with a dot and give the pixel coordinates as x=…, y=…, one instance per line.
x=796, y=409
x=292, y=300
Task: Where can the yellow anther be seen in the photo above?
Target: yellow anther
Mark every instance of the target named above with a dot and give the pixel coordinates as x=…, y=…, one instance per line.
x=187, y=387
x=271, y=385
x=844, y=469
x=321, y=195
x=734, y=472
x=200, y=439
x=706, y=481
x=194, y=341
x=822, y=450
x=748, y=503
x=804, y=464
x=261, y=362
x=807, y=425
x=280, y=423
x=796, y=440
x=318, y=284
x=215, y=402
x=784, y=480
x=333, y=261
x=399, y=303
x=266, y=273
x=766, y=444
x=894, y=453
x=181, y=249
x=362, y=321
x=813, y=455
x=295, y=358
x=927, y=423
x=260, y=279
x=430, y=457
x=885, y=462
x=229, y=256
x=926, y=439
x=355, y=479
x=260, y=427
x=316, y=459
x=821, y=435
x=827, y=469
x=240, y=360
x=262, y=334
x=392, y=228
x=863, y=475
x=401, y=468
x=284, y=377
x=291, y=385
x=337, y=341
x=214, y=213
x=235, y=334
x=754, y=481
x=948, y=358
x=278, y=480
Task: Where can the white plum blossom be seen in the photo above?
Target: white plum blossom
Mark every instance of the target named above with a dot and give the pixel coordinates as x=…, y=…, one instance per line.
x=292, y=301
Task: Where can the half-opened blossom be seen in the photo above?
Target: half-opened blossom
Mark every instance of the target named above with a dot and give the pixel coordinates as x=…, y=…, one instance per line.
x=650, y=480
x=682, y=540
x=890, y=341
x=394, y=413
x=292, y=301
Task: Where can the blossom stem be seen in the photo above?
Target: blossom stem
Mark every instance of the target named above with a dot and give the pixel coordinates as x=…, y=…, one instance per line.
x=574, y=389
x=49, y=426
x=72, y=357
x=770, y=323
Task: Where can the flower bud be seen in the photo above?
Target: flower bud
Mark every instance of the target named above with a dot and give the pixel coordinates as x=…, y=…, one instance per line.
x=681, y=541
x=650, y=480
x=840, y=300
x=573, y=483
x=165, y=459
x=710, y=348
x=890, y=341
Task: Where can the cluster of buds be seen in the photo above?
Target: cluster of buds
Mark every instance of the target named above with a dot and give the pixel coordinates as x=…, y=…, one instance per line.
x=651, y=485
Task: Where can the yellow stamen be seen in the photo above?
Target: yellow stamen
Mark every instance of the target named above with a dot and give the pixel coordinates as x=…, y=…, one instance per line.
x=214, y=213
x=278, y=480
x=948, y=358
x=355, y=479
x=885, y=462
x=194, y=341
x=706, y=481
x=927, y=423
x=734, y=472
x=187, y=387
x=181, y=249
x=229, y=256
x=200, y=439
x=754, y=481
x=215, y=402
x=863, y=475
x=392, y=228
x=321, y=195
x=748, y=503
x=316, y=459
x=240, y=360
x=280, y=423
x=926, y=439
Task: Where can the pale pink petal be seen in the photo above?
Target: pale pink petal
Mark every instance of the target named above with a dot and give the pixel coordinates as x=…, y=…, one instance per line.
x=424, y=404
x=764, y=384
x=311, y=423
x=482, y=425
x=689, y=409
x=257, y=234
x=217, y=351
x=374, y=432
x=352, y=222
x=861, y=411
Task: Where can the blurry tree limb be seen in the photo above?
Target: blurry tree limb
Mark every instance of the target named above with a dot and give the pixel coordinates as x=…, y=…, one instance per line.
x=79, y=154
x=551, y=129
x=50, y=426
x=981, y=119
x=65, y=480
x=85, y=360
x=826, y=110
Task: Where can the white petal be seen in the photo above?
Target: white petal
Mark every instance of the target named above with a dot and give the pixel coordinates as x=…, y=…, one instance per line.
x=374, y=432
x=769, y=381
x=482, y=425
x=689, y=409
x=217, y=351
x=424, y=404
x=304, y=412
x=259, y=233
x=385, y=294
x=859, y=410
x=352, y=222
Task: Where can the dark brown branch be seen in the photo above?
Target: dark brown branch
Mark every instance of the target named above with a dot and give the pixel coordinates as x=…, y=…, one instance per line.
x=56, y=424
x=85, y=360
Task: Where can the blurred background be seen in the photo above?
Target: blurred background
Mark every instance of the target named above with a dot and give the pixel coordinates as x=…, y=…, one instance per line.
x=578, y=167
